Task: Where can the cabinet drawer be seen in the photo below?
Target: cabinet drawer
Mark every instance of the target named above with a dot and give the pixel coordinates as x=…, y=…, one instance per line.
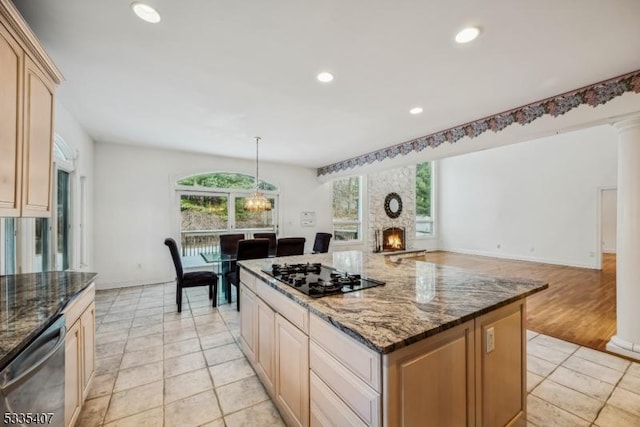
x=364, y=401
x=362, y=361
x=327, y=409
x=78, y=305
x=248, y=279
x=290, y=310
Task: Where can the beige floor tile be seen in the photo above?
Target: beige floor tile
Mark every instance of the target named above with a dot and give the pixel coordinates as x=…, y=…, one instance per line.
x=213, y=328
x=147, y=320
x=216, y=340
x=151, y=418
x=531, y=334
x=139, y=375
x=199, y=311
x=263, y=414
x=148, y=312
x=182, y=364
x=583, y=383
x=630, y=382
x=174, y=325
x=604, y=359
x=222, y=354
x=107, y=364
x=141, y=343
x=192, y=411
x=181, y=386
x=114, y=326
x=231, y=371
x=93, y=412
x=570, y=400
x=215, y=423
x=626, y=400
x=181, y=348
x=110, y=349
x=241, y=394
x=141, y=357
x=544, y=414
x=539, y=366
x=180, y=335
x=107, y=337
x=547, y=353
x=102, y=385
x=533, y=380
x=200, y=303
x=610, y=416
x=634, y=369
x=141, y=331
x=555, y=343
x=592, y=369
x=116, y=317
x=135, y=400
x=149, y=303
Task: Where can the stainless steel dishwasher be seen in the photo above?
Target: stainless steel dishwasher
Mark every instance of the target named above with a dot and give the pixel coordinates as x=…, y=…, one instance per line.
x=32, y=384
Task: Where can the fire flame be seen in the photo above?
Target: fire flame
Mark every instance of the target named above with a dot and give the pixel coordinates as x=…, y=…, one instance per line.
x=394, y=241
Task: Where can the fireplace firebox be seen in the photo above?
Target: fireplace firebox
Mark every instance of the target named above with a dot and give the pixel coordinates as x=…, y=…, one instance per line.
x=393, y=239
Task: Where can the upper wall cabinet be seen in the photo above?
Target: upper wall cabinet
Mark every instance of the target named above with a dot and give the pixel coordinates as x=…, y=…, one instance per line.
x=27, y=84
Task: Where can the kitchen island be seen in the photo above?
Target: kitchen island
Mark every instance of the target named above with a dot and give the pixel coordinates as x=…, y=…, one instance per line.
x=435, y=345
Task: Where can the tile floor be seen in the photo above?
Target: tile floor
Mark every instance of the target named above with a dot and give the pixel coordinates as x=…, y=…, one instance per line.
x=157, y=367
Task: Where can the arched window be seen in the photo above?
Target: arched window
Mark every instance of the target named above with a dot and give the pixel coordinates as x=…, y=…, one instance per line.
x=213, y=203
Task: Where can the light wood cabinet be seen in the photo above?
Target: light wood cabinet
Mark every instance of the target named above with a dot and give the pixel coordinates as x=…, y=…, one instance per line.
x=248, y=322
x=265, y=351
x=292, y=372
x=79, y=365
x=27, y=84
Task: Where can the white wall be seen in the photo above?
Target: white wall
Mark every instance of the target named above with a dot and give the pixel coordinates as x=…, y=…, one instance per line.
x=136, y=207
x=76, y=138
x=609, y=220
x=534, y=200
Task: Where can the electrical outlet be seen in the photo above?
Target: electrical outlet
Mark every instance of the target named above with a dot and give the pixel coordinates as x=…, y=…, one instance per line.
x=490, y=340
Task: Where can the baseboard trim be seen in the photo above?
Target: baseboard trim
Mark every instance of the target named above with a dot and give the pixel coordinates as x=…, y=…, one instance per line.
x=520, y=258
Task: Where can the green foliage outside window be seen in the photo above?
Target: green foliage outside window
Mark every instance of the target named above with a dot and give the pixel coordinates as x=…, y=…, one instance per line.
x=226, y=180
x=423, y=189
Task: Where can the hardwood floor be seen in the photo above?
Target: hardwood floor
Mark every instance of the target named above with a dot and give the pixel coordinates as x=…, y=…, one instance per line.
x=579, y=306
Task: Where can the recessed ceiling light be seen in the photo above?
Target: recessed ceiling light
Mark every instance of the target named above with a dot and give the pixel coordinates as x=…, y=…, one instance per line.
x=416, y=110
x=467, y=35
x=145, y=12
x=325, y=77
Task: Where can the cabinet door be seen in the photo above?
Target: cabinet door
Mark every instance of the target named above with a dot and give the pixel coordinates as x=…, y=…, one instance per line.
x=88, y=324
x=11, y=59
x=265, y=351
x=37, y=162
x=248, y=322
x=72, y=374
x=292, y=372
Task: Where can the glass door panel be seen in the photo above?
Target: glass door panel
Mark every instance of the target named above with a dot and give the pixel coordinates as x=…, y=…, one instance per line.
x=202, y=219
x=247, y=220
x=63, y=221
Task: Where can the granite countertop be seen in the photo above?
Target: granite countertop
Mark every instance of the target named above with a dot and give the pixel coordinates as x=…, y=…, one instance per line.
x=418, y=300
x=29, y=302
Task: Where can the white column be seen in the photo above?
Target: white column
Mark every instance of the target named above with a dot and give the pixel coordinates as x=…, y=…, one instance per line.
x=627, y=338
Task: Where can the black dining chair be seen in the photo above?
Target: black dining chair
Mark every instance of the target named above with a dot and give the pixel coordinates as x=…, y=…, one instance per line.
x=191, y=279
x=321, y=243
x=247, y=249
x=229, y=248
x=290, y=246
x=272, y=241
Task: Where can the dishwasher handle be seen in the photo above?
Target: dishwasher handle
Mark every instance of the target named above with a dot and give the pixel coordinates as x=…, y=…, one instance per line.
x=56, y=331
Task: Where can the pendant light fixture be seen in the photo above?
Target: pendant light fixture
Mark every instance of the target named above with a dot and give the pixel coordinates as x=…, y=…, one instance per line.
x=257, y=202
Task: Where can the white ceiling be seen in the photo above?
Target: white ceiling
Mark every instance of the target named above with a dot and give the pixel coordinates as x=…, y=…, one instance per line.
x=215, y=73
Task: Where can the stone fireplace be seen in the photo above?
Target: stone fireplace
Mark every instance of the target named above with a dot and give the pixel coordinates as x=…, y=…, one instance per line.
x=393, y=239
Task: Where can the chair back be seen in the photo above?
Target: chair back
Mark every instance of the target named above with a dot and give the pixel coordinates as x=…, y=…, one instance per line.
x=272, y=240
x=253, y=249
x=229, y=243
x=321, y=244
x=290, y=246
x=175, y=256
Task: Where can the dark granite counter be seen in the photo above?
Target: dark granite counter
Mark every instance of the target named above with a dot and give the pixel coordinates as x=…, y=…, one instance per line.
x=29, y=302
x=418, y=300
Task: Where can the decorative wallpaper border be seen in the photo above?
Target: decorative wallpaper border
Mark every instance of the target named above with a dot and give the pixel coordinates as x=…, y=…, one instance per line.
x=593, y=95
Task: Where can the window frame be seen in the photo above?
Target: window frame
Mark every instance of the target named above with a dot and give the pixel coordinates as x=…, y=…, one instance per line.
x=358, y=223
x=433, y=217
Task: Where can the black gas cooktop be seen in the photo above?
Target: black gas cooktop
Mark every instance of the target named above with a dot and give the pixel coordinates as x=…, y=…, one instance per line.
x=317, y=280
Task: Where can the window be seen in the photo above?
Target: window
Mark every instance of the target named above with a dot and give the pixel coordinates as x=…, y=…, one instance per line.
x=346, y=209
x=424, y=200
x=213, y=203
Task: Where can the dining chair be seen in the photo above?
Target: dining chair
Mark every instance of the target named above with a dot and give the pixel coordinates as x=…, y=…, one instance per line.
x=247, y=249
x=290, y=246
x=229, y=247
x=272, y=241
x=321, y=243
x=191, y=279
